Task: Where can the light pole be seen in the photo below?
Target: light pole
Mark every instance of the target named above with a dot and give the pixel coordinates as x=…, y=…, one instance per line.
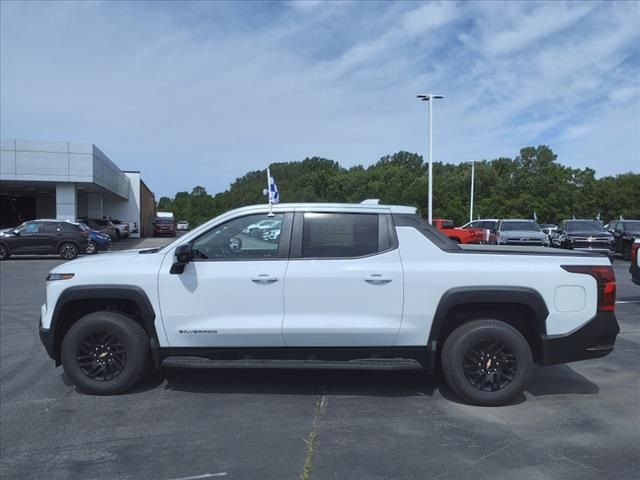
x=430, y=98
x=473, y=165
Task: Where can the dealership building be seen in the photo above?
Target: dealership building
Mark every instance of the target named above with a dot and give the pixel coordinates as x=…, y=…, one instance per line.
x=67, y=181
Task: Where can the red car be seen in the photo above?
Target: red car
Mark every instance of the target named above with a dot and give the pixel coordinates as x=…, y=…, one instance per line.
x=462, y=235
x=164, y=226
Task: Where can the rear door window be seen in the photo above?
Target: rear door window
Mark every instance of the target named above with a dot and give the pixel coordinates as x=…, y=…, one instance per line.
x=339, y=235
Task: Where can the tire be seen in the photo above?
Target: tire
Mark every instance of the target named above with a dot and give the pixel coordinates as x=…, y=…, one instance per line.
x=4, y=252
x=626, y=251
x=92, y=248
x=497, y=388
x=125, y=351
x=68, y=251
x=117, y=234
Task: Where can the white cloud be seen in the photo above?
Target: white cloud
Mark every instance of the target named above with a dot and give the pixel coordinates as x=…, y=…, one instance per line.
x=222, y=88
x=527, y=28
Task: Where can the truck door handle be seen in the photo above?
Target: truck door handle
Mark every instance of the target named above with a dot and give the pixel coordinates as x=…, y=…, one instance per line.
x=377, y=279
x=264, y=279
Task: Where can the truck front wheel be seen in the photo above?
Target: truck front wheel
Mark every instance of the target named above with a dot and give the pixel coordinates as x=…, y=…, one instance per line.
x=487, y=362
x=105, y=353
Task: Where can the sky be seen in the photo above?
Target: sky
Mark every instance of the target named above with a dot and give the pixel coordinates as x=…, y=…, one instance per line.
x=201, y=93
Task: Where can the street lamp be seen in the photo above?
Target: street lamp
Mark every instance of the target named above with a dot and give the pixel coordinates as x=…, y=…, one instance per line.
x=426, y=98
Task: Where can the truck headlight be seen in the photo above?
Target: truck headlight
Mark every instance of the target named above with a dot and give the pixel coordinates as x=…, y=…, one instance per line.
x=52, y=277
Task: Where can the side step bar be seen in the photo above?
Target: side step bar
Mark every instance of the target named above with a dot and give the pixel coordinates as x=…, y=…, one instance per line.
x=356, y=364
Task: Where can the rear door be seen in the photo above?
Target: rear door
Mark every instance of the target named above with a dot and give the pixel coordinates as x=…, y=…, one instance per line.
x=51, y=234
x=344, y=281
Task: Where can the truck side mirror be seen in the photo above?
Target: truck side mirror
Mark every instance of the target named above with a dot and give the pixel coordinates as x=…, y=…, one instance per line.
x=183, y=256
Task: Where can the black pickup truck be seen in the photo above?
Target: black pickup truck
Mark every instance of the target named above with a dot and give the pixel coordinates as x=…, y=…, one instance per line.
x=589, y=235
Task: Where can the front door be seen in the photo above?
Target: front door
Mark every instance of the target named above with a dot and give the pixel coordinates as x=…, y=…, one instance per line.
x=32, y=239
x=344, y=282
x=231, y=293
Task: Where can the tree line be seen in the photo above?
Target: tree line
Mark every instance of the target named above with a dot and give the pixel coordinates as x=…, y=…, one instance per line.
x=533, y=181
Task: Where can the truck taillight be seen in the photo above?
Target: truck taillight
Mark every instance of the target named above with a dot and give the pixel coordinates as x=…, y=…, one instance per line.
x=83, y=233
x=606, y=280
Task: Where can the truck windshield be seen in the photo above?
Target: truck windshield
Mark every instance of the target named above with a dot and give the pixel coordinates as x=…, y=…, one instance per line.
x=585, y=226
x=529, y=226
x=164, y=221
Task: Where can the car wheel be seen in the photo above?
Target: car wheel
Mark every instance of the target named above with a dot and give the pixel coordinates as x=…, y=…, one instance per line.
x=4, y=253
x=92, y=248
x=68, y=251
x=117, y=233
x=487, y=362
x=105, y=353
x=626, y=251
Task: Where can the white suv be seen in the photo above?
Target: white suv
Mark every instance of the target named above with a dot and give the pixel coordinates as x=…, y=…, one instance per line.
x=361, y=286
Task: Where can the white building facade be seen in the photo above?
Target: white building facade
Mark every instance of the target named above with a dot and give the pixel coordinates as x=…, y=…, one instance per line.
x=67, y=181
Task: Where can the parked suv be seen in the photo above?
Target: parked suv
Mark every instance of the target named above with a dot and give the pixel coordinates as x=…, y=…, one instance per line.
x=363, y=286
x=520, y=232
x=44, y=237
x=588, y=235
x=624, y=233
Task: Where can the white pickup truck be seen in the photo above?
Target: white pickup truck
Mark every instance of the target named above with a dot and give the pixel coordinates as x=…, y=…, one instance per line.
x=361, y=286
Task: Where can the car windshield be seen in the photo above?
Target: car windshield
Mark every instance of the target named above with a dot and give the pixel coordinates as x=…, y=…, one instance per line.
x=593, y=226
x=529, y=226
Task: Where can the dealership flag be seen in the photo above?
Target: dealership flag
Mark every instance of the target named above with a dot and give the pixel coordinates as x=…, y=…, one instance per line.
x=535, y=217
x=271, y=191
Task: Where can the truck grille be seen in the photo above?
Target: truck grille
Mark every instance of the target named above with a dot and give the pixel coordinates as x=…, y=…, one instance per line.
x=591, y=243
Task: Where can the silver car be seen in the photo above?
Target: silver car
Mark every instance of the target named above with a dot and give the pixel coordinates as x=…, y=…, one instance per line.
x=520, y=232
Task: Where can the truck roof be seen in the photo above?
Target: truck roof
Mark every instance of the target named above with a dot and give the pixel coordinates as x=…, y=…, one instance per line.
x=352, y=207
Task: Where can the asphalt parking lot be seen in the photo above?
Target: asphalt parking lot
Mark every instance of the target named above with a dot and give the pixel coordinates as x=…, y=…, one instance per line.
x=576, y=421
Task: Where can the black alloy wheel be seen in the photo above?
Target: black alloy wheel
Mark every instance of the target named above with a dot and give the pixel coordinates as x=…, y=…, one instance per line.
x=4, y=254
x=101, y=356
x=489, y=365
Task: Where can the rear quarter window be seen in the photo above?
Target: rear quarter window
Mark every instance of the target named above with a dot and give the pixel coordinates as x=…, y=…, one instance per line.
x=429, y=231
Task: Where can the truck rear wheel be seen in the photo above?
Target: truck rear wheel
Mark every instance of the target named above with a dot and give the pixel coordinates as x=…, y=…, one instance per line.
x=487, y=362
x=105, y=353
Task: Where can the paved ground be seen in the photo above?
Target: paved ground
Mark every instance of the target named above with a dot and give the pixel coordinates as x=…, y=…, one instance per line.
x=580, y=421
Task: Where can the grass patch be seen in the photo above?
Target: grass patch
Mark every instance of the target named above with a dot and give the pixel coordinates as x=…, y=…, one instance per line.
x=311, y=439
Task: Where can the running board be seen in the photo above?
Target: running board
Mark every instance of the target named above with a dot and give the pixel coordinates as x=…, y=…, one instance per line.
x=357, y=364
